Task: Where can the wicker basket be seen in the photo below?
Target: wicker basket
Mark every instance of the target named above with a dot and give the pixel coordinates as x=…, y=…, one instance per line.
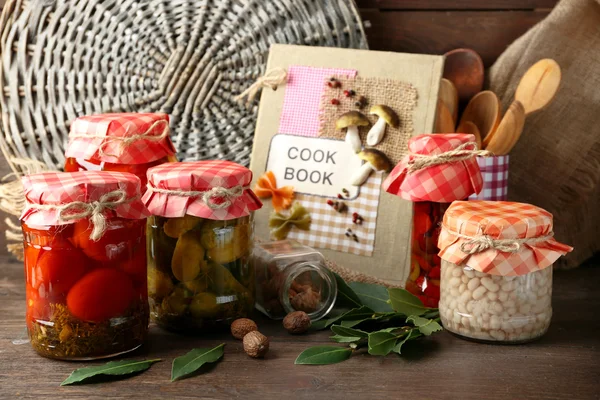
x=189, y=58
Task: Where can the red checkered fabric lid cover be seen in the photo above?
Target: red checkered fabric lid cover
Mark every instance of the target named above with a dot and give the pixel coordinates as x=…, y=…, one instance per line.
x=530, y=225
x=63, y=188
x=217, y=190
x=97, y=138
x=439, y=183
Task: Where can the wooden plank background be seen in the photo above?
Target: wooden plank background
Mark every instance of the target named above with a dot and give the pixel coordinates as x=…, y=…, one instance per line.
x=437, y=26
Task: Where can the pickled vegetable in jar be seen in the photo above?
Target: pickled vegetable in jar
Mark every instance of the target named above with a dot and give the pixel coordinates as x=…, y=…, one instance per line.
x=292, y=277
x=85, y=264
x=439, y=169
x=496, y=283
x=200, y=239
x=123, y=142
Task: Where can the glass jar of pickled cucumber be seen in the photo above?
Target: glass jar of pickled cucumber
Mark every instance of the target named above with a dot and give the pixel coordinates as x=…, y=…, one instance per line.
x=85, y=264
x=200, y=239
x=292, y=277
x=439, y=169
x=124, y=142
x=496, y=277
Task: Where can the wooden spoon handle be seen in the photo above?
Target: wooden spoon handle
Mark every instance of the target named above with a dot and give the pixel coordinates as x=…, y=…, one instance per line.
x=508, y=131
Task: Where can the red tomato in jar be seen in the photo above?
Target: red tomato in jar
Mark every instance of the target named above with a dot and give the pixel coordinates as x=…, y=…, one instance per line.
x=115, y=244
x=432, y=291
x=102, y=294
x=435, y=273
x=59, y=269
x=139, y=170
x=136, y=266
x=48, y=236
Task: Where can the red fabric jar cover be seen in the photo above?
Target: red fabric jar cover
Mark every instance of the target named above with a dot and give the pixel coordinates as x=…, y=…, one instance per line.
x=443, y=183
x=499, y=237
x=125, y=138
x=60, y=198
x=217, y=190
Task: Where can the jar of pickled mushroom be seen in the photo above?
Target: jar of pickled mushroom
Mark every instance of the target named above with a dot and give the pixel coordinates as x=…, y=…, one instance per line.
x=292, y=277
x=200, y=238
x=439, y=169
x=85, y=264
x=124, y=142
x=497, y=270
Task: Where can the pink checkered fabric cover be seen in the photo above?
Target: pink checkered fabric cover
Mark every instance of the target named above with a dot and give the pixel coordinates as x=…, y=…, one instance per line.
x=439, y=183
x=303, y=91
x=110, y=126
x=494, y=171
x=499, y=220
x=61, y=188
x=199, y=176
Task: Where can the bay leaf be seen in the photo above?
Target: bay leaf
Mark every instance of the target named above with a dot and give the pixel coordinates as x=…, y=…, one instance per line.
x=345, y=339
x=195, y=359
x=359, y=314
x=426, y=326
x=406, y=303
x=412, y=334
x=321, y=355
x=344, y=331
x=112, y=368
x=381, y=343
x=375, y=297
x=345, y=295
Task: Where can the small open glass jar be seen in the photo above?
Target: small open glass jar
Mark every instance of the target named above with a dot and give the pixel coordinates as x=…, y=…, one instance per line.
x=292, y=277
x=85, y=264
x=200, y=238
x=496, y=282
x=431, y=177
x=124, y=142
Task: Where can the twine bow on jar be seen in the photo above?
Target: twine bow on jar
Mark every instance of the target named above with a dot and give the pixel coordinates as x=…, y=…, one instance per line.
x=93, y=210
x=125, y=141
x=226, y=195
x=462, y=152
x=480, y=243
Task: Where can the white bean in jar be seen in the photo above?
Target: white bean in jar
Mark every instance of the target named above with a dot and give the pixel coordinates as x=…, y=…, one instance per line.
x=495, y=308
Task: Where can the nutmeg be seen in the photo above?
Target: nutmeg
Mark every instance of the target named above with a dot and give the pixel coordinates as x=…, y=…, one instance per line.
x=306, y=301
x=256, y=345
x=241, y=327
x=296, y=322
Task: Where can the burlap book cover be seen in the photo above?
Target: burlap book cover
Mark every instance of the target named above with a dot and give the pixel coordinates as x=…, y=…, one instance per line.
x=296, y=139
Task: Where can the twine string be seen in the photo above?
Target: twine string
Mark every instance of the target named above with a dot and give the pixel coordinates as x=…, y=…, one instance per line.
x=271, y=79
x=461, y=153
x=93, y=210
x=125, y=141
x=479, y=243
x=207, y=196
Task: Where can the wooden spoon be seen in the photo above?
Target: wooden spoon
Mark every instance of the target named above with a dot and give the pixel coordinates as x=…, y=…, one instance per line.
x=539, y=85
x=484, y=111
x=509, y=130
x=469, y=127
x=464, y=68
x=444, y=123
x=449, y=96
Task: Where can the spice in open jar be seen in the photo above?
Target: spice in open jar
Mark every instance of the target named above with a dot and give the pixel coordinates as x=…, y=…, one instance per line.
x=199, y=243
x=439, y=169
x=497, y=270
x=124, y=142
x=292, y=277
x=85, y=264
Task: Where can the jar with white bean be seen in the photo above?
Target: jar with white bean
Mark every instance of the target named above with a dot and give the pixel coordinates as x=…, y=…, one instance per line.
x=488, y=307
x=496, y=275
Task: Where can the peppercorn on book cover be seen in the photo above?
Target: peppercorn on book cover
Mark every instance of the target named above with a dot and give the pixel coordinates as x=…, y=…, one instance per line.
x=331, y=123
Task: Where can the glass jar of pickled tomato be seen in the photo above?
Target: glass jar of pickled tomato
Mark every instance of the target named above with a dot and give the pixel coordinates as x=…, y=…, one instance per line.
x=85, y=264
x=439, y=169
x=124, y=142
x=200, y=238
x=497, y=270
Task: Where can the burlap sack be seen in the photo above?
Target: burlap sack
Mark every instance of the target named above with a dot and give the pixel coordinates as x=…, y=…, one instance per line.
x=556, y=163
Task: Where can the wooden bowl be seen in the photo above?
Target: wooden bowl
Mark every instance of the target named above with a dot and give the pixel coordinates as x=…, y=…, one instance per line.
x=464, y=68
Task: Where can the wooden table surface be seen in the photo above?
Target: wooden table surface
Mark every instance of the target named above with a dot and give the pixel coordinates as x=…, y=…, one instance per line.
x=564, y=364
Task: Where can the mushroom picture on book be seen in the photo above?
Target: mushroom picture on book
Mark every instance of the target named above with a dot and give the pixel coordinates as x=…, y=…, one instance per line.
x=387, y=116
x=351, y=121
x=375, y=160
